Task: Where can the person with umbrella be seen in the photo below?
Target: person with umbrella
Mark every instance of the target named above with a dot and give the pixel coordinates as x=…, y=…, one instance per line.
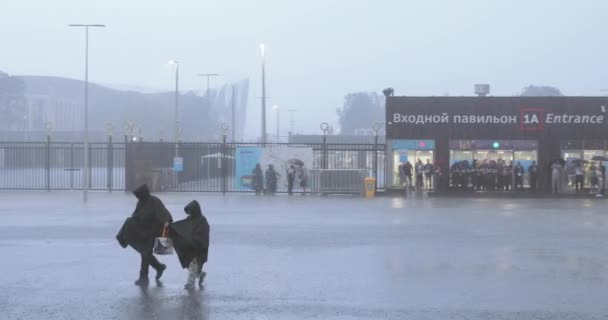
x=291, y=177
x=191, y=242
x=146, y=223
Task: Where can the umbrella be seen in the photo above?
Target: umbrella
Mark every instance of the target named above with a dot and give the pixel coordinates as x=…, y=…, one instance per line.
x=296, y=162
x=599, y=158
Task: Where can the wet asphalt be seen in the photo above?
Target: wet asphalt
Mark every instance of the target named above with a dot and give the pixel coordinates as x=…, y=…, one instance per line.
x=306, y=257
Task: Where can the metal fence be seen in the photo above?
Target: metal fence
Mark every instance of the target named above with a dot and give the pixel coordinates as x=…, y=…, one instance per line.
x=207, y=167
x=59, y=166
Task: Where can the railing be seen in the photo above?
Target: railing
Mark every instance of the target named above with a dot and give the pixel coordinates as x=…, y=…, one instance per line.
x=207, y=167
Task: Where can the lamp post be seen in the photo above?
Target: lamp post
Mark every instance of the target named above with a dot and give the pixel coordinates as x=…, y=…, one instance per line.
x=233, y=107
x=208, y=76
x=49, y=132
x=225, y=129
x=277, y=109
x=325, y=129
x=376, y=126
x=176, y=124
x=263, y=53
x=86, y=27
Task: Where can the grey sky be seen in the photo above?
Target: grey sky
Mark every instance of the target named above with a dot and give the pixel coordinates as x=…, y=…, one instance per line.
x=318, y=50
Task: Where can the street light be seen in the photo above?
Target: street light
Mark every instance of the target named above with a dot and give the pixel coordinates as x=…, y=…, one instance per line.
x=277, y=109
x=86, y=105
x=208, y=75
x=263, y=53
x=176, y=124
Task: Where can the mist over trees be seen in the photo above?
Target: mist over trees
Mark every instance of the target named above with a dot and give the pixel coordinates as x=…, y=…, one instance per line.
x=541, y=91
x=360, y=110
x=13, y=111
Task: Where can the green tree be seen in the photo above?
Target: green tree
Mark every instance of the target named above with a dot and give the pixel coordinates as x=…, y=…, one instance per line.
x=360, y=110
x=541, y=91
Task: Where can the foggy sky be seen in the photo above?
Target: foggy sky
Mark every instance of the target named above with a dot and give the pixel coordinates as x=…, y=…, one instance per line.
x=317, y=50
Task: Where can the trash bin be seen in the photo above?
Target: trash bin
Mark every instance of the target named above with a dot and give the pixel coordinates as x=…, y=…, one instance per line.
x=370, y=187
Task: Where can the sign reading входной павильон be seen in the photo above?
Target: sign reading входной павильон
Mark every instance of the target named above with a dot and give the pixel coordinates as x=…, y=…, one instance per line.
x=497, y=117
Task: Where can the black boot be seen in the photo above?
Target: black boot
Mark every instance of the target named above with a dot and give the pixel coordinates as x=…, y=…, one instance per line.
x=142, y=281
x=160, y=270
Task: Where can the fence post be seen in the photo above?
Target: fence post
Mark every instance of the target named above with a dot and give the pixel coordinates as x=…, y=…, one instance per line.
x=48, y=161
x=375, y=162
x=72, y=166
x=110, y=159
x=324, y=160
x=376, y=126
x=224, y=134
x=89, y=173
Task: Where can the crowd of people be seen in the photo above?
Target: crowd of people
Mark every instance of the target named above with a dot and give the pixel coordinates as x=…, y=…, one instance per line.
x=426, y=175
x=577, y=175
x=492, y=175
x=267, y=182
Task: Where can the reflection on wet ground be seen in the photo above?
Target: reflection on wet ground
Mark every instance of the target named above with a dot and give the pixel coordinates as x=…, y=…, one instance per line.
x=308, y=257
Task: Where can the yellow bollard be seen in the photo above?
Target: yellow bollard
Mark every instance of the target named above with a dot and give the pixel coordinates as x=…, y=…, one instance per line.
x=370, y=187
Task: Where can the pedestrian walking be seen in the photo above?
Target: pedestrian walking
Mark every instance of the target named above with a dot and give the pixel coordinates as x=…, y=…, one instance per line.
x=191, y=243
x=429, y=171
x=593, y=178
x=271, y=180
x=147, y=222
x=556, y=177
x=257, y=179
x=408, y=170
x=518, y=171
x=419, y=174
x=291, y=177
x=533, y=172
x=303, y=176
x=600, y=182
x=579, y=172
x=602, y=176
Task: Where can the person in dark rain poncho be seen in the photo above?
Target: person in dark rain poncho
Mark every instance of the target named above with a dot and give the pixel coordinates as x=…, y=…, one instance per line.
x=258, y=179
x=271, y=180
x=191, y=242
x=139, y=231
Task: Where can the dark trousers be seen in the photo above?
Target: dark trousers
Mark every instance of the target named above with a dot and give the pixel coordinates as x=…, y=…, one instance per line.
x=290, y=181
x=579, y=182
x=533, y=182
x=519, y=183
x=147, y=260
x=419, y=181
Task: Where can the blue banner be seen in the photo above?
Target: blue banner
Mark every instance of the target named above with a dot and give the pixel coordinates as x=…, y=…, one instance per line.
x=246, y=160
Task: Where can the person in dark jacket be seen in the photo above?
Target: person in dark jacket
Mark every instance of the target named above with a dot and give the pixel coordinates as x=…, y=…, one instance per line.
x=139, y=231
x=408, y=171
x=258, y=179
x=533, y=170
x=291, y=177
x=191, y=242
x=518, y=171
x=271, y=180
